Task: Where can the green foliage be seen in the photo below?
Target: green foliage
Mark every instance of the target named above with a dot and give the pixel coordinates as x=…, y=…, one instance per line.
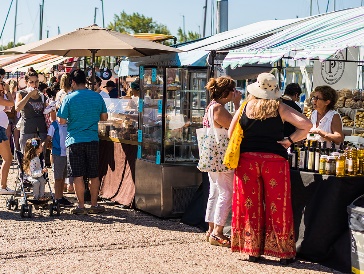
x=136, y=23
x=10, y=45
x=190, y=36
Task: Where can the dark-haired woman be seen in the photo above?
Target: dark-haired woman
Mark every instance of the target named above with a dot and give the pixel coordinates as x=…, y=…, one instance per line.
x=326, y=121
x=31, y=103
x=222, y=90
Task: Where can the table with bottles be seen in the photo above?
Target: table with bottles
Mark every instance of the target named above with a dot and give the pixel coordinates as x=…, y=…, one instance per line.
x=324, y=181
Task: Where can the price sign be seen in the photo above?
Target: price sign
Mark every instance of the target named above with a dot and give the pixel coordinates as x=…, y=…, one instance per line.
x=158, y=158
x=160, y=106
x=141, y=72
x=140, y=136
x=141, y=105
x=154, y=74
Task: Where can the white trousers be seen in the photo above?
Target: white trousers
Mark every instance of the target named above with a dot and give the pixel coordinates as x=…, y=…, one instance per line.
x=220, y=197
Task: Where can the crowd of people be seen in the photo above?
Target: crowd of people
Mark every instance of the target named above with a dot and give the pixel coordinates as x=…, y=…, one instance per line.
x=53, y=116
x=258, y=191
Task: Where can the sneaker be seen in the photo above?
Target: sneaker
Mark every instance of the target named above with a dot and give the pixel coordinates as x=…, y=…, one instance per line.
x=63, y=201
x=79, y=211
x=7, y=191
x=96, y=209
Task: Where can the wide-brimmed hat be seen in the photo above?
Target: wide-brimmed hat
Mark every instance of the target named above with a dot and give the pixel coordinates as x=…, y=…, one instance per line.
x=265, y=87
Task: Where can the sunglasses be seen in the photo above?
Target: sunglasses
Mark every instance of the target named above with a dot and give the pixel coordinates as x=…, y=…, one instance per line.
x=316, y=98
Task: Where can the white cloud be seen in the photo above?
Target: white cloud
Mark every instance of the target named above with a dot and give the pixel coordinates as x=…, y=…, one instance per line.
x=26, y=38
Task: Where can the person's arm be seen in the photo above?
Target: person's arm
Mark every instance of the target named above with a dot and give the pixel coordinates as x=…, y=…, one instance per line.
x=337, y=135
x=233, y=123
x=9, y=102
x=103, y=116
x=62, y=113
x=297, y=119
x=21, y=102
x=222, y=116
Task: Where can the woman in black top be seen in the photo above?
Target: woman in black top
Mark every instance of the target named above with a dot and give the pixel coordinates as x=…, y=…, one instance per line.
x=262, y=221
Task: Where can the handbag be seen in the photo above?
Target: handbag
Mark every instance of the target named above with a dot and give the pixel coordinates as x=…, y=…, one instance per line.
x=212, y=143
x=232, y=155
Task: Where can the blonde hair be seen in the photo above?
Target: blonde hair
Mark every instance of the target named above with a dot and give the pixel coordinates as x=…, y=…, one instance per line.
x=64, y=83
x=262, y=109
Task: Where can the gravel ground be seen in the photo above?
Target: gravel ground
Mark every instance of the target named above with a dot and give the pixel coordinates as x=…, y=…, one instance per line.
x=118, y=241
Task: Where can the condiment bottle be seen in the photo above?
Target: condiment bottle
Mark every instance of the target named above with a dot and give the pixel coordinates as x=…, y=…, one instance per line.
x=340, y=166
x=323, y=160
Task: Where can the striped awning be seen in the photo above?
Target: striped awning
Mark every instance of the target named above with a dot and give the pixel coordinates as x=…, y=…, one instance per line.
x=320, y=37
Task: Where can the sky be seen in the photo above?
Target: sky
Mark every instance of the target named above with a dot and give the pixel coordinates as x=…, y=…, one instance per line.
x=68, y=15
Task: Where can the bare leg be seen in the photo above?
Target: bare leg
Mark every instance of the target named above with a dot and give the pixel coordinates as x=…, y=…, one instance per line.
x=7, y=158
x=94, y=185
x=58, y=188
x=218, y=231
x=79, y=186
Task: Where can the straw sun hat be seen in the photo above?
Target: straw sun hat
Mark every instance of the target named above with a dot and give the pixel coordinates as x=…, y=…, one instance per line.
x=265, y=87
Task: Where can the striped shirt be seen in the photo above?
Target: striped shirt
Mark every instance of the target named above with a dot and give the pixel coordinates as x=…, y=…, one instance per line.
x=82, y=110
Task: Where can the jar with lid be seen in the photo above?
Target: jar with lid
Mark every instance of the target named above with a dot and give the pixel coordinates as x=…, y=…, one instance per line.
x=330, y=165
x=323, y=160
x=340, y=166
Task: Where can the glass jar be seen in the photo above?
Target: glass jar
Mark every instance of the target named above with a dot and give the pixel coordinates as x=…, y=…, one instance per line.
x=323, y=160
x=330, y=166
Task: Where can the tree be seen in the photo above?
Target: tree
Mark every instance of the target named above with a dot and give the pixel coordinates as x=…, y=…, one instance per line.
x=137, y=23
x=190, y=36
x=11, y=45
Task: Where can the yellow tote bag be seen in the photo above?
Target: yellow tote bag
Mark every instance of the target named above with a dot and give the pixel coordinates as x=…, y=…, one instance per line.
x=232, y=154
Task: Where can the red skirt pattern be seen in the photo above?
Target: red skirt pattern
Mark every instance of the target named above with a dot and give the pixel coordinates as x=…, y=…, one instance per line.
x=262, y=218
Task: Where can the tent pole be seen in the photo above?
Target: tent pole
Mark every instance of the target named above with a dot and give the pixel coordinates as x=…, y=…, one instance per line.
x=93, y=52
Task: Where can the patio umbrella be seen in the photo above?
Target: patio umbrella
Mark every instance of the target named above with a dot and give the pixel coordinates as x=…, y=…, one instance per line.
x=95, y=41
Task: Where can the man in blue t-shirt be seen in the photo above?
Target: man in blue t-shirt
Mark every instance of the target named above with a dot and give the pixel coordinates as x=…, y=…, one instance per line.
x=82, y=109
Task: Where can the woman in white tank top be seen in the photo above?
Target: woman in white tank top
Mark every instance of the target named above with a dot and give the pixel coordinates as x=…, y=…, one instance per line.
x=327, y=125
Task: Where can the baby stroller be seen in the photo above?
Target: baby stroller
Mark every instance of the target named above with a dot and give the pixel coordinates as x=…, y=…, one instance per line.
x=23, y=187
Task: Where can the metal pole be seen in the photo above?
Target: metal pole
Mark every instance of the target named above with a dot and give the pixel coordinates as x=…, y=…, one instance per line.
x=6, y=19
x=311, y=8
x=59, y=31
x=204, y=19
x=103, y=16
x=95, y=15
x=47, y=33
x=93, y=52
x=16, y=12
x=184, y=32
x=334, y=5
x=40, y=22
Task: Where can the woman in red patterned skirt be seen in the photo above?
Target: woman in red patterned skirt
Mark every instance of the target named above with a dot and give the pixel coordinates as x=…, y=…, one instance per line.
x=262, y=221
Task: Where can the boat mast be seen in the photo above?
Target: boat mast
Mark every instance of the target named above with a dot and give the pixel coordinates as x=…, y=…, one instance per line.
x=16, y=13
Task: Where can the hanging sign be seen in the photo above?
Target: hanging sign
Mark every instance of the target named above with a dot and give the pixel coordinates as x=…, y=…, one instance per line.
x=339, y=71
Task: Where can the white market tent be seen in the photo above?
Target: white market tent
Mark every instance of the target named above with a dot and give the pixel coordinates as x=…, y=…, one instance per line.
x=318, y=37
x=195, y=52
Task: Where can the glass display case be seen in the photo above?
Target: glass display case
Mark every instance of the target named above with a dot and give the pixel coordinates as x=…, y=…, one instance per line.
x=122, y=123
x=169, y=119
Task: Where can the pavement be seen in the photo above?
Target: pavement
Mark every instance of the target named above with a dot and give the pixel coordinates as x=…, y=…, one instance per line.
x=118, y=241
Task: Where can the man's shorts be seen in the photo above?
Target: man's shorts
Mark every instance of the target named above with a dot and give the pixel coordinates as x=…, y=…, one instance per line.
x=3, y=136
x=59, y=167
x=83, y=159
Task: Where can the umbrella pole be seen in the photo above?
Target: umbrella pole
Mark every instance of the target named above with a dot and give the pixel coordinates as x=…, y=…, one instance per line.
x=93, y=52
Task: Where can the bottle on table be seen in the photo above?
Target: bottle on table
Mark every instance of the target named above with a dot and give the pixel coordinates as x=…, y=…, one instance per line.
x=340, y=165
x=352, y=161
x=361, y=160
x=317, y=156
x=302, y=157
x=311, y=157
x=323, y=160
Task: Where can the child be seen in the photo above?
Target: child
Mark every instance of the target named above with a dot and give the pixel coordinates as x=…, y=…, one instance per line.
x=32, y=166
x=57, y=134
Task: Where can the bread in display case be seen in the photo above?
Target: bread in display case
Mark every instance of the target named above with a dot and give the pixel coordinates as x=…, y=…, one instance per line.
x=122, y=123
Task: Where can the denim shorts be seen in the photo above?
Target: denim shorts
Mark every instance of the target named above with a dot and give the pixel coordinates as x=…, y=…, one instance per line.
x=3, y=136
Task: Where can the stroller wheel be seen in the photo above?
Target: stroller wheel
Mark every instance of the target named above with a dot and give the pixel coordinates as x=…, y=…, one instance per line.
x=16, y=202
x=22, y=211
x=54, y=208
x=8, y=203
x=30, y=207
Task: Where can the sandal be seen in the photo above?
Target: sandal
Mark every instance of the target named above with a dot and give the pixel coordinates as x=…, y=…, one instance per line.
x=215, y=240
x=208, y=236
